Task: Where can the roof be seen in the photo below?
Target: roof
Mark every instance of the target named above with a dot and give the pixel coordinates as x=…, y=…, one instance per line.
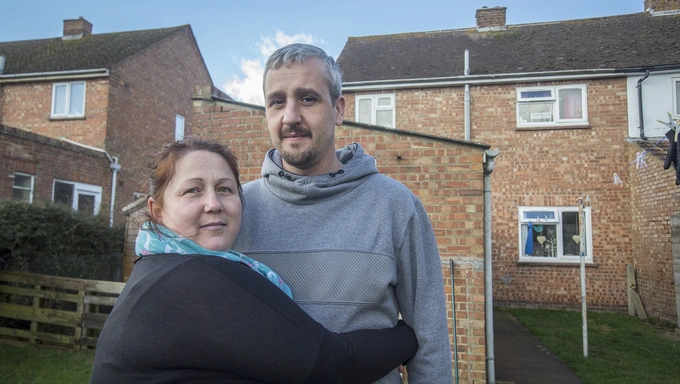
x=614, y=42
x=90, y=52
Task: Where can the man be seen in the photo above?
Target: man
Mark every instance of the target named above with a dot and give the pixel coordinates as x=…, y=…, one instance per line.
x=356, y=247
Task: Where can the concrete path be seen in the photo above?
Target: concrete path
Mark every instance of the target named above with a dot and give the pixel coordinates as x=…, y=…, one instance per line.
x=520, y=358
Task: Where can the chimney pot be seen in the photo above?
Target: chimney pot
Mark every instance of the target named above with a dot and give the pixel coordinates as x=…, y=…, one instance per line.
x=491, y=19
x=662, y=7
x=75, y=29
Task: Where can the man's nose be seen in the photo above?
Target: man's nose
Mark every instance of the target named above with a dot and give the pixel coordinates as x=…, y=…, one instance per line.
x=291, y=114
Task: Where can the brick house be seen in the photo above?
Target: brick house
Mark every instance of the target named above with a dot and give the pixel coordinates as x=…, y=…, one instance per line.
x=561, y=102
x=117, y=94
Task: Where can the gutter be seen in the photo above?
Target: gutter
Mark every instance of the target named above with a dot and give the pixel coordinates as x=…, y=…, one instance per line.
x=49, y=76
x=489, y=164
x=642, y=116
x=506, y=78
x=115, y=167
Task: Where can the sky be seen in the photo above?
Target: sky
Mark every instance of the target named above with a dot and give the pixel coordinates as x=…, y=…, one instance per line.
x=236, y=37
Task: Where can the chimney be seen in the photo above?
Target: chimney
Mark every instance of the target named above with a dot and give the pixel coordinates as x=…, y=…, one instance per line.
x=662, y=7
x=491, y=19
x=75, y=29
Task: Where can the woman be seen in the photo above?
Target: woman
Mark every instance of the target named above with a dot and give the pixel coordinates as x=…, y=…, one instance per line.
x=194, y=311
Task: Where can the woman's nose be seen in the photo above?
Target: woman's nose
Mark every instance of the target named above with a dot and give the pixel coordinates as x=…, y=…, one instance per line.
x=212, y=204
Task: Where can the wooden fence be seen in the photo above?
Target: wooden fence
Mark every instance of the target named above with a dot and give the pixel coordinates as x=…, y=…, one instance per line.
x=54, y=311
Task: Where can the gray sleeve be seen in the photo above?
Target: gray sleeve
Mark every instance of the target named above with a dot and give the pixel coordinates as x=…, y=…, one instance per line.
x=422, y=302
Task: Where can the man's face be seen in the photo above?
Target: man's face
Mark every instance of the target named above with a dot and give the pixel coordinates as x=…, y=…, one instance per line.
x=301, y=117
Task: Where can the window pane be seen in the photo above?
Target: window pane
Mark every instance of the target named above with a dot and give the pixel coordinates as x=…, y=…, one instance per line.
x=535, y=94
x=542, y=240
x=63, y=193
x=571, y=243
x=532, y=215
x=86, y=203
x=21, y=194
x=59, y=107
x=365, y=111
x=570, y=104
x=677, y=97
x=76, y=106
x=22, y=181
x=536, y=112
x=383, y=101
x=179, y=127
x=384, y=118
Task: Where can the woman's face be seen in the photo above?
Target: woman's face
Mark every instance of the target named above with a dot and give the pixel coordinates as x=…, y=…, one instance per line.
x=201, y=201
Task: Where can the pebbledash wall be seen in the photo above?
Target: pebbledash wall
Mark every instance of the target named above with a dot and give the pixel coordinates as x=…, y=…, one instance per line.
x=48, y=159
x=556, y=167
x=447, y=175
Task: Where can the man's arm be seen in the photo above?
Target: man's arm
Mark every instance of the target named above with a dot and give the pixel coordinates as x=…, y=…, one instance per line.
x=420, y=291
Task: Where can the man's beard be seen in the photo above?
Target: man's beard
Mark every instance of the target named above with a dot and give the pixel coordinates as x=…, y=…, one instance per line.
x=299, y=158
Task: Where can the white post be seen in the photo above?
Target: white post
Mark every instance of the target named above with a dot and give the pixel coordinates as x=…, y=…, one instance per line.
x=581, y=224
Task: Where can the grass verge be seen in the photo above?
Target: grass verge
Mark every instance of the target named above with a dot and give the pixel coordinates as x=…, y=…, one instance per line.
x=621, y=349
x=29, y=365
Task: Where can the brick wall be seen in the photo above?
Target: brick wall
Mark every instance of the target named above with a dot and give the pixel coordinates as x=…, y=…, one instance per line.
x=445, y=175
x=127, y=114
x=147, y=91
x=548, y=167
x=655, y=199
x=48, y=159
x=27, y=106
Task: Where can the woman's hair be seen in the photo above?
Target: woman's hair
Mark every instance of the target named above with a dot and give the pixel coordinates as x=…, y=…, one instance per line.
x=162, y=165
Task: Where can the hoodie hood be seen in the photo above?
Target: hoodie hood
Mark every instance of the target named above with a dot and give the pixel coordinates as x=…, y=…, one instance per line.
x=298, y=189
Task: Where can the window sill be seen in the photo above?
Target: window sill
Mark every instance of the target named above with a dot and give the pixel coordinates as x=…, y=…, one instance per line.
x=60, y=118
x=557, y=263
x=553, y=127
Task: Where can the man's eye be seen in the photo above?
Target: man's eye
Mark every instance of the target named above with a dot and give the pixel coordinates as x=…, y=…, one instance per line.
x=308, y=100
x=276, y=103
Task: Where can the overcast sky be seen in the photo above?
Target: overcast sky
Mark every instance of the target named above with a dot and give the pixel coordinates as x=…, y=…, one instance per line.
x=236, y=37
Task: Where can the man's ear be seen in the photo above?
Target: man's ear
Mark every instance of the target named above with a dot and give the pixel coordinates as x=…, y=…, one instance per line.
x=339, y=110
x=155, y=210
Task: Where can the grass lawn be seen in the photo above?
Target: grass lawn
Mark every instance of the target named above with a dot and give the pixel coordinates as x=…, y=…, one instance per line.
x=29, y=365
x=621, y=349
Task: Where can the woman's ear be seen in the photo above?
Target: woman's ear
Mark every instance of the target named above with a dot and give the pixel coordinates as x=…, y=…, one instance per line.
x=155, y=210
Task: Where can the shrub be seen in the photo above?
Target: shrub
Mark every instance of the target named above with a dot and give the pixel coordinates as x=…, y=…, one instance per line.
x=55, y=240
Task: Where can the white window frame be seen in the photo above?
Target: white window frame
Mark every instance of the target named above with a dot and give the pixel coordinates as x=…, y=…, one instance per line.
x=554, y=99
x=675, y=83
x=375, y=107
x=67, y=103
x=556, y=220
x=179, y=127
x=81, y=189
x=30, y=189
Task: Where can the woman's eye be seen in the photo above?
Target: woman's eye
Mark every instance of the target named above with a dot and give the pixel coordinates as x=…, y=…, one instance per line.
x=191, y=190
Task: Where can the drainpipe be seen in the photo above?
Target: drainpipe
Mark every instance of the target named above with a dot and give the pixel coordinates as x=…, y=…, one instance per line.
x=467, y=97
x=489, y=163
x=2, y=70
x=642, y=117
x=115, y=167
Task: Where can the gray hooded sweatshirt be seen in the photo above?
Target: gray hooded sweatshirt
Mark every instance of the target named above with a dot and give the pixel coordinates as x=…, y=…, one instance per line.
x=357, y=249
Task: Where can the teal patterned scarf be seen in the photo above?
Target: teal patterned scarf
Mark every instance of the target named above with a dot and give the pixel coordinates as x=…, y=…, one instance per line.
x=155, y=239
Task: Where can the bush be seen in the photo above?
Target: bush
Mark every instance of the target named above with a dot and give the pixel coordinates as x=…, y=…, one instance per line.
x=55, y=240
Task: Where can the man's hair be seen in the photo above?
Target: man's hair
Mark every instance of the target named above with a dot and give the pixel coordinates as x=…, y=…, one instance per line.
x=298, y=54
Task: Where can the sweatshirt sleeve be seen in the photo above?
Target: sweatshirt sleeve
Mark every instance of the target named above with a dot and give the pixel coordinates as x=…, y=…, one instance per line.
x=422, y=303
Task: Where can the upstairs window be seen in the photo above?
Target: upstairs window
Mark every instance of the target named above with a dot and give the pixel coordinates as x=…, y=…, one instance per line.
x=552, y=234
x=22, y=187
x=676, y=97
x=68, y=99
x=179, y=127
x=552, y=106
x=81, y=197
x=375, y=110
